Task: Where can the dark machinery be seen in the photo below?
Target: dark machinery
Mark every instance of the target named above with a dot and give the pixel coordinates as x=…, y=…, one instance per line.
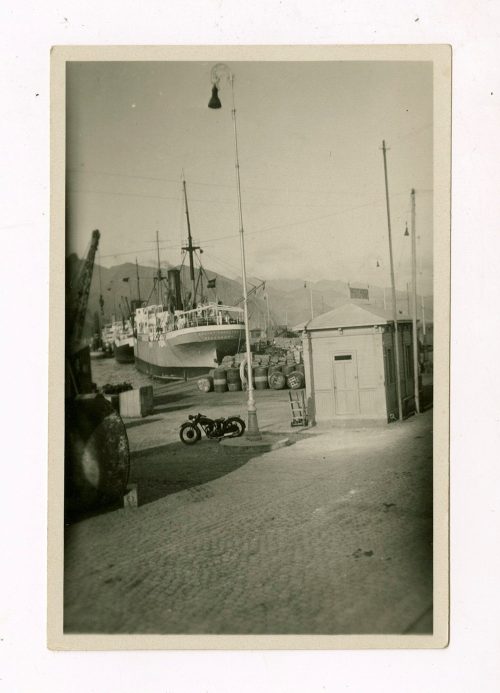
x=97, y=460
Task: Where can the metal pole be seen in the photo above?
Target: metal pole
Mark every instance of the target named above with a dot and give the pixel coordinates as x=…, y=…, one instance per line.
x=253, y=426
x=158, y=287
x=393, y=289
x=423, y=313
x=138, y=285
x=414, y=302
x=311, y=299
x=268, y=323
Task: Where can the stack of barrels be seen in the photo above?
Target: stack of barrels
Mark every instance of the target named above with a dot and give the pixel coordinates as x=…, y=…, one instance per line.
x=272, y=372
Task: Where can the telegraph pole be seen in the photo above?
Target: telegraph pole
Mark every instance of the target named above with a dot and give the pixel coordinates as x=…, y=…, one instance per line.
x=158, y=277
x=393, y=289
x=310, y=299
x=414, y=301
x=138, y=285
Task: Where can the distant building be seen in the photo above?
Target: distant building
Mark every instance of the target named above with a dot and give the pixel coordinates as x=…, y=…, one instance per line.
x=350, y=365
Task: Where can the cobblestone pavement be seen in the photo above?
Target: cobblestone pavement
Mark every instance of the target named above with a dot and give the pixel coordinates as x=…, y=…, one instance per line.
x=330, y=535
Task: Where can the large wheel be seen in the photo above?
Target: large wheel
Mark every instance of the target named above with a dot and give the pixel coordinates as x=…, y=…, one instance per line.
x=234, y=427
x=189, y=434
x=97, y=461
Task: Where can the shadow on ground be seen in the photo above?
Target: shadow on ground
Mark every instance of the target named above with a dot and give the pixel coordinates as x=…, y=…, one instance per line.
x=169, y=397
x=173, y=407
x=140, y=422
x=167, y=469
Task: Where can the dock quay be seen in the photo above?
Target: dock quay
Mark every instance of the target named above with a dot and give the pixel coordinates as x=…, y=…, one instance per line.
x=329, y=535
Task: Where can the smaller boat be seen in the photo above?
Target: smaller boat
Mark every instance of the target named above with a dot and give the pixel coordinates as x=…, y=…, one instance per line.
x=124, y=341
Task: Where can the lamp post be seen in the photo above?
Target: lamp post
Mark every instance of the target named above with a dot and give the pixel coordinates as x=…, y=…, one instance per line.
x=218, y=71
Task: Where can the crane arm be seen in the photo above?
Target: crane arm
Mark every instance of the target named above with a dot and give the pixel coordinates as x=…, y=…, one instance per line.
x=78, y=306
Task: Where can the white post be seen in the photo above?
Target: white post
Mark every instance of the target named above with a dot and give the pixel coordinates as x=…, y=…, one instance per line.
x=253, y=426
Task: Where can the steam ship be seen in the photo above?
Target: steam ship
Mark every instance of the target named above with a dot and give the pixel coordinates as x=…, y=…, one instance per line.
x=183, y=334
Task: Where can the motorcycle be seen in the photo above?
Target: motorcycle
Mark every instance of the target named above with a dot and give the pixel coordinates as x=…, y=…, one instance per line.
x=190, y=431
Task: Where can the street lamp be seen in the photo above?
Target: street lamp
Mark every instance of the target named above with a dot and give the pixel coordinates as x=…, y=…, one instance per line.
x=219, y=71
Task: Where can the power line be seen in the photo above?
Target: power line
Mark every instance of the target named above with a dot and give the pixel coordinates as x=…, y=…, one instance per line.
x=219, y=185
x=265, y=230
x=250, y=203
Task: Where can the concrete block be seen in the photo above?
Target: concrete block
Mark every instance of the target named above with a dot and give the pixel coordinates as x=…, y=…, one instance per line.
x=135, y=403
x=115, y=401
x=131, y=498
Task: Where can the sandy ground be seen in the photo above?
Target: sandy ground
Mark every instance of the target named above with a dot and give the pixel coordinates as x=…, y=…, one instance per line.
x=332, y=534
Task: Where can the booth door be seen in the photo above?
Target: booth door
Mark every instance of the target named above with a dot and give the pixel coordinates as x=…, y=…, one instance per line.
x=345, y=380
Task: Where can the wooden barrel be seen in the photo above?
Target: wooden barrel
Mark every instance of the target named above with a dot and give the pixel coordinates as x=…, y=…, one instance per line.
x=300, y=367
x=274, y=368
x=277, y=380
x=220, y=380
x=233, y=379
x=288, y=368
x=205, y=384
x=295, y=380
x=260, y=377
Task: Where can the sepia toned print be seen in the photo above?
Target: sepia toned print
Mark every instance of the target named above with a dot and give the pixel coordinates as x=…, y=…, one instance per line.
x=255, y=382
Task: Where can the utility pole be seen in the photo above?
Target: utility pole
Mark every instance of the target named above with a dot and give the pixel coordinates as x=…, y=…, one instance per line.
x=310, y=298
x=393, y=289
x=138, y=285
x=268, y=324
x=158, y=278
x=385, y=302
x=408, y=297
x=414, y=301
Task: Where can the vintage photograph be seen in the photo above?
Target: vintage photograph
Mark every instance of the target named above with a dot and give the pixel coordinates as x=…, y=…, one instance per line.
x=250, y=247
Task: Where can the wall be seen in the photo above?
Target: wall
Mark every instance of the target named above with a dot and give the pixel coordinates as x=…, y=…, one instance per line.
x=366, y=346
x=405, y=370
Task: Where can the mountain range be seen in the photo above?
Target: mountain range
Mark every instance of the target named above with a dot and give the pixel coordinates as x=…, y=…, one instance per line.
x=280, y=302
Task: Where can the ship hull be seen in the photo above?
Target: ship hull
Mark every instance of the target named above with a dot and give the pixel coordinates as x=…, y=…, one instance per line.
x=188, y=353
x=124, y=353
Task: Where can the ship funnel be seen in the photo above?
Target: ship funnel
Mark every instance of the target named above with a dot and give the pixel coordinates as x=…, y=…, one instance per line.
x=174, y=287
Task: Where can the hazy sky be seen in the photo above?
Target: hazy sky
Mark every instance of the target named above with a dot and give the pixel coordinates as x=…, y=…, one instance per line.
x=311, y=167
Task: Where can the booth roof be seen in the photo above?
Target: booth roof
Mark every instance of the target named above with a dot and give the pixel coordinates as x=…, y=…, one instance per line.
x=353, y=314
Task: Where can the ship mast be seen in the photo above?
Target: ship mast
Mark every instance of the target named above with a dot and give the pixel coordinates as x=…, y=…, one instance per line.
x=138, y=285
x=158, y=276
x=190, y=249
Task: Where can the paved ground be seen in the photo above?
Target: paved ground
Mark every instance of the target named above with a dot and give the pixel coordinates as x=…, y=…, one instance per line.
x=329, y=535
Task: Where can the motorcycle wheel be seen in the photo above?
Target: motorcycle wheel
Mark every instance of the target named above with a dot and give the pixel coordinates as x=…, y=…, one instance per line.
x=234, y=427
x=189, y=434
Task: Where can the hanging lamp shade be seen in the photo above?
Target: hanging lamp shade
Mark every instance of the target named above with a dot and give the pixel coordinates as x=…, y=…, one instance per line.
x=215, y=101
